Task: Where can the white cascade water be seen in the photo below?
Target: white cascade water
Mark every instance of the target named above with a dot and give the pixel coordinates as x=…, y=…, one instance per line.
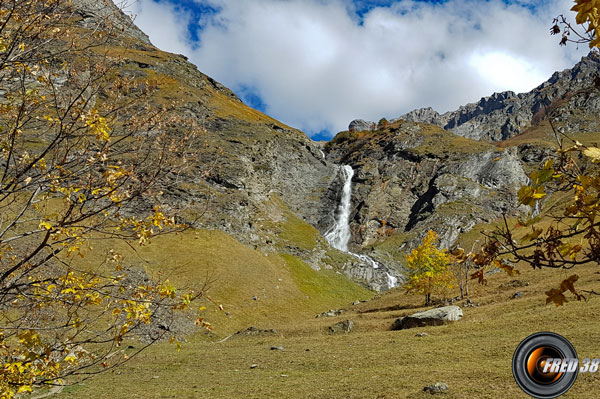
x=391, y=280
x=339, y=235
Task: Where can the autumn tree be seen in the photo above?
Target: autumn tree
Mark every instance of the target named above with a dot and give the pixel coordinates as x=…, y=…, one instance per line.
x=428, y=269
x=570, y=235
x=85, y=156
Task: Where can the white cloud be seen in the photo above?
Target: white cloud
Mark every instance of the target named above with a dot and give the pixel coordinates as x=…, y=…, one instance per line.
x=166, y=27
x=317, y=67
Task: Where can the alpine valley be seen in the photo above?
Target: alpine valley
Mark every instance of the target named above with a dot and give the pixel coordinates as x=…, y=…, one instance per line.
x=286, y=228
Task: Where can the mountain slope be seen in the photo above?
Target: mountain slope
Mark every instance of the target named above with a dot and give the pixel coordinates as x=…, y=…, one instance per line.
x=504, y=115
x=245, y=197
x=276, y=191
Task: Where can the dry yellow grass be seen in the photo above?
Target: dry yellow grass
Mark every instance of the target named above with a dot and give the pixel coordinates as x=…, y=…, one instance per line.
x=472, y=356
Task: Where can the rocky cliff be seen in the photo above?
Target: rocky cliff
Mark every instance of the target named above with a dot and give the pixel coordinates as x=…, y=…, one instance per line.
x=412, y=177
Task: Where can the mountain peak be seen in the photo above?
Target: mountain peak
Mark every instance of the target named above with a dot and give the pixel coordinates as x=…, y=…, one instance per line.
x=506, y=114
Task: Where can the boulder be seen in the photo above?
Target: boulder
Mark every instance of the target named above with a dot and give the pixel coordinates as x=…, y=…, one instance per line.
x=516, y=295
x=342, y=327
x=358, y=125
x=432, y=317
x=331, y=313
x=438, y=387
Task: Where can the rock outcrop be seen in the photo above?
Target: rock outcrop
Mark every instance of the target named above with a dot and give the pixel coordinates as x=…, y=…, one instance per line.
x=506, y=114
x=106, y=13
x=345, y=327
x=412, y=177
x=358, y=125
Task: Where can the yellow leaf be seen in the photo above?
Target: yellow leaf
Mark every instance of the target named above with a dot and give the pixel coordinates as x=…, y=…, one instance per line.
x=24, y=388
x=511, y=271
x=45, y=225
x=569, y=284
x=535, y=233
x=593, y=153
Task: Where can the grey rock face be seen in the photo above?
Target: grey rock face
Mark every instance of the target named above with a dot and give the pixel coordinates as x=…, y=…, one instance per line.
x=427, y=115
x=402, y=180
x=359, y=125
x=432, y=317
x=506, y=114
x=93, y=12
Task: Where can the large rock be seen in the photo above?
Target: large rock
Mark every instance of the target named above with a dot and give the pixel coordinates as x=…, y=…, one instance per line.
x=358, y=125
x=438, y=387
x=432, y=317
x=342, y=327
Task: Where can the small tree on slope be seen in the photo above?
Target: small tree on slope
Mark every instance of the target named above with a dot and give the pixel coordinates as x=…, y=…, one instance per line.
x=428, y=269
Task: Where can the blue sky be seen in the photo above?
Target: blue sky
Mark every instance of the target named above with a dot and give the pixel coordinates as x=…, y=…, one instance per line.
x=318, y=64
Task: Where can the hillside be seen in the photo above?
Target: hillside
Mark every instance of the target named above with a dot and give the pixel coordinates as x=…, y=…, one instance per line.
x=472, y=356
x=283, y=229
x=272, y=189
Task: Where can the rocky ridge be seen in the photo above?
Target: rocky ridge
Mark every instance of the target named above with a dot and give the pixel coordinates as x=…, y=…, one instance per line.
x=504, y=115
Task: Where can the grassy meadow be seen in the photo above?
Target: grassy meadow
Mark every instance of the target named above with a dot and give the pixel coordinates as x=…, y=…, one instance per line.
x=473, y=356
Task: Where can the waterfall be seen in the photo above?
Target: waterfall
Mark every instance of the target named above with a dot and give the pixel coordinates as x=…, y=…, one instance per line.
x=391, y=280
x=339, y=235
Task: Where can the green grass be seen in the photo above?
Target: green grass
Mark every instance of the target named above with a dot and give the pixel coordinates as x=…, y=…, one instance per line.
x=299, y=233
x=435, y=140
x=440, y=142
x=285, y=287
x=290, y=230
x=325, y=285
x=472, y=356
